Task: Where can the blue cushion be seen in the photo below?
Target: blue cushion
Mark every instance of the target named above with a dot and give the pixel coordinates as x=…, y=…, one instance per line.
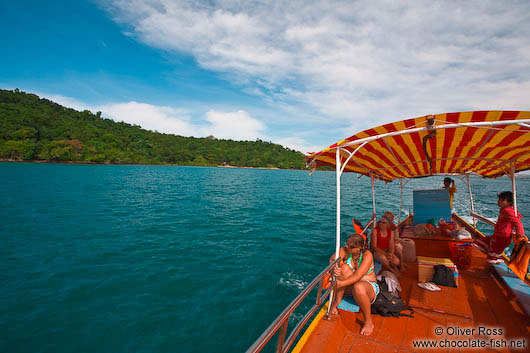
x=348, y=304
x=519, y=288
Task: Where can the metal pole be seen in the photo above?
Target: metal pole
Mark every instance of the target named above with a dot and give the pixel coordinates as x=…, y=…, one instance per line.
x=337, y=237
x=373, y=194
x=338, y=172
x=512, y=175
x=400, y=200
x=472, y=202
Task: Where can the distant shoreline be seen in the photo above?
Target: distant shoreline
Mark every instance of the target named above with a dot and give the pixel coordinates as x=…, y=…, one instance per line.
x=48, y=161
x=234, y=166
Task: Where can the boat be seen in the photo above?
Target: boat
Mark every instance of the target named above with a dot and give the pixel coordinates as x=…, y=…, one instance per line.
x=487, y=311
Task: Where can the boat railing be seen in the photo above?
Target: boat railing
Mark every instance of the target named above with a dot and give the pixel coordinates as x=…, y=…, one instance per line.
x=281, y=323
x=482, y=218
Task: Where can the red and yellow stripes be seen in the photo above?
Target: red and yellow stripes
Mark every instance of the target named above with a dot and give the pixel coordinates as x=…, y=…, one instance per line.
x=484, y=150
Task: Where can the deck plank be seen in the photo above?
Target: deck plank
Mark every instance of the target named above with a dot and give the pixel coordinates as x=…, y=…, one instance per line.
x=362, y=345
x=391, y=331
x=347, y=343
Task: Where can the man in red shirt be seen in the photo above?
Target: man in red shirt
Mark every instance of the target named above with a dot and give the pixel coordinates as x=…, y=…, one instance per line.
x=508, y=220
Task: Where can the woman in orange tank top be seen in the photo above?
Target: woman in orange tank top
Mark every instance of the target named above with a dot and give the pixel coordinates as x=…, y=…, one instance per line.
x=383, y=248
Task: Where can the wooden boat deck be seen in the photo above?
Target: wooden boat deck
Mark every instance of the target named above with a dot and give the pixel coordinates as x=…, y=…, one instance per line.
x=480, y=300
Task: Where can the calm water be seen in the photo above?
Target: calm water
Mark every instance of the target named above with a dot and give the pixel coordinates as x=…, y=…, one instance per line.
x=173, y=259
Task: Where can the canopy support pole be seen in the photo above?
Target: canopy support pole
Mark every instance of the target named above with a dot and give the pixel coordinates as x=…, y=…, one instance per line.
x=372, y=179
x=400, y=200
x=512, y=176
x=338, y=173
x=471, y=200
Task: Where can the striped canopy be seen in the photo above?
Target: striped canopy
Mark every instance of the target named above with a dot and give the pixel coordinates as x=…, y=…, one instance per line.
x=487, y=143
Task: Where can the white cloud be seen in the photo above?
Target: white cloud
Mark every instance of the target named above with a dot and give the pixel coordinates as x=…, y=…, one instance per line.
x=299, y=144
x=238, y=125
x=68, y=102
x=235, y=125
x=357, y=63
x=150, y=117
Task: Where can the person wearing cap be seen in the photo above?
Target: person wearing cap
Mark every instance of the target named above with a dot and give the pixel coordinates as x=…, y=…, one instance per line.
x=383, y=247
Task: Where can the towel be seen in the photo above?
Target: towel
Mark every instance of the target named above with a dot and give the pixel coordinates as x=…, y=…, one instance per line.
x=391, y=280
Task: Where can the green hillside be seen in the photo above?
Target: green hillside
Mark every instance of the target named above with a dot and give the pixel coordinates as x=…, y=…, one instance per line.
x=32, y=128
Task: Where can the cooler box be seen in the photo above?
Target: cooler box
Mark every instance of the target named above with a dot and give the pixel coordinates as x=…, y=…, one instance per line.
x=426, y=268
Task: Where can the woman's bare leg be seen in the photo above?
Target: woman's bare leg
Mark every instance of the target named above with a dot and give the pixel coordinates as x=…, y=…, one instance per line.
x=382, y=258
x=364, y=294
x=399, y=252
x=345, y=272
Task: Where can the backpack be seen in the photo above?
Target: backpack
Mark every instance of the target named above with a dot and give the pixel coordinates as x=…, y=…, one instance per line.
x=444, y=276
x=387, y=304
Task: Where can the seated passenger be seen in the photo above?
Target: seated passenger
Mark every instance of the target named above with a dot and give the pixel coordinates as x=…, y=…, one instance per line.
x=356, y=275
x=398, y=244
x=508, y=221
x=382, y=244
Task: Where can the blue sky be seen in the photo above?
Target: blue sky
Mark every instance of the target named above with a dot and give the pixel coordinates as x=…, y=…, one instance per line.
x=301, y=73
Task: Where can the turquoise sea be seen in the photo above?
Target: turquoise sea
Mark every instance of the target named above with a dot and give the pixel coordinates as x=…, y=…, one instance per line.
x=174, y=259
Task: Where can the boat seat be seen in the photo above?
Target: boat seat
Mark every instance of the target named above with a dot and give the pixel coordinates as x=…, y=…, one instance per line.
x=516, y=286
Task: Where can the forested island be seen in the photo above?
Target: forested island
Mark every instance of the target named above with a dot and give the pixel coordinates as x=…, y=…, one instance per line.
x=37, y=129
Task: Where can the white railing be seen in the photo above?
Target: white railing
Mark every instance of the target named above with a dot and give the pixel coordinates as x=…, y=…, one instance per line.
x=482, y=218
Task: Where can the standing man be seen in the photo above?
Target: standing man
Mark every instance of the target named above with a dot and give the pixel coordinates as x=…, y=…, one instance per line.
x=508, y=220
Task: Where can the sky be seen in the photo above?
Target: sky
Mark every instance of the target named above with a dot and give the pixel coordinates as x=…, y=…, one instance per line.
x=304, y=74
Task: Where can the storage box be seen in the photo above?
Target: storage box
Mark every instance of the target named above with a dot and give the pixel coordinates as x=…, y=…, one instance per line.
x=426, y=268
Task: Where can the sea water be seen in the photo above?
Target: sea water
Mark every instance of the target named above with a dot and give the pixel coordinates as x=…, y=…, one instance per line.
x=104, y=258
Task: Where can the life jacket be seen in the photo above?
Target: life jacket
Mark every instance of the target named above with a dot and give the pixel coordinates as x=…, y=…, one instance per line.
x=326, y=280
x=520, y=257
x=358, y=229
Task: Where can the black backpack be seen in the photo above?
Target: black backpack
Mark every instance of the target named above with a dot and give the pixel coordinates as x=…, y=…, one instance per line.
x=387, y=304
x=443, y=276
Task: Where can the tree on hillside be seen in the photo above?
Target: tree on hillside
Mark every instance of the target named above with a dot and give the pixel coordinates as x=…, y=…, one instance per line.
x=39, y=129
